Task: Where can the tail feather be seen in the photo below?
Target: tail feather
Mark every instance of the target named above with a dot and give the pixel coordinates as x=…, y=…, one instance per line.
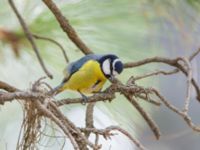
x=56, y=90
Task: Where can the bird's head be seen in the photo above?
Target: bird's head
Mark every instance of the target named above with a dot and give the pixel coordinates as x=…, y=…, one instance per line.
x=111, y=65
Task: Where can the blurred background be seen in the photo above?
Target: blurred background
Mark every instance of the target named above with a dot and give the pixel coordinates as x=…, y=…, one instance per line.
x=131, y=29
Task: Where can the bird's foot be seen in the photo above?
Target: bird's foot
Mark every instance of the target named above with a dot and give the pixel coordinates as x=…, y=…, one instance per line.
x=85, y=98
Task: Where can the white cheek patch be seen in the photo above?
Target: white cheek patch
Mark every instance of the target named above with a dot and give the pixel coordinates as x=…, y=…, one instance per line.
x=106, y=67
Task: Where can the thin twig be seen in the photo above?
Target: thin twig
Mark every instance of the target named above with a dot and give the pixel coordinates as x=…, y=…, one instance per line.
x=96, y=139
x=171, y=62
x=79, y=137
x=149, y=100
x=52, y=116
x=7, y=87
x=89, y=118
x=55, y=42
x=135, y=141
x=161, y=72
x=30, y=38
x=189, y=84
x=128, y=92
x=186, y=118
x=106, y=133
x=194, y=54
x=146, y=116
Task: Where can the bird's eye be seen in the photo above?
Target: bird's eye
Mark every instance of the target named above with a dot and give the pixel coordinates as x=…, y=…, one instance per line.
x=117, y=66
x=114, y=64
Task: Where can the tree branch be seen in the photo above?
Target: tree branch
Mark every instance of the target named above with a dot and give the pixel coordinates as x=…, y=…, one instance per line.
x=55, y=42
x=89, y=118
x=7, y=87
x=30, y=38
x=106, y=133
x=67, y=28
x=172, y=62
x=91, y=99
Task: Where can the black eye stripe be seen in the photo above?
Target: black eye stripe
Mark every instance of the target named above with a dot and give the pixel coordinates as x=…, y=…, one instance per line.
x=112, y=66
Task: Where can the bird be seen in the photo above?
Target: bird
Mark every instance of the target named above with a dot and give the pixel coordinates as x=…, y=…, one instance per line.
x=88, y=74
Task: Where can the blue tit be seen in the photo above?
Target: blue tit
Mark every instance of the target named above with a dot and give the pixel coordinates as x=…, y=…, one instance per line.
x=88, y=74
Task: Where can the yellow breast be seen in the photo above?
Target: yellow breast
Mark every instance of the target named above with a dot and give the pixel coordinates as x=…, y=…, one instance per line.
x=88, y=79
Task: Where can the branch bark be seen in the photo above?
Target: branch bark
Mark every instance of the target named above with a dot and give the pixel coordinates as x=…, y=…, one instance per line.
x=67, y=28
x=30, y=38
x=55, y=42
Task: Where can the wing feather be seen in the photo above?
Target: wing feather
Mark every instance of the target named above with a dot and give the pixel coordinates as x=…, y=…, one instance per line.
x=75, y=66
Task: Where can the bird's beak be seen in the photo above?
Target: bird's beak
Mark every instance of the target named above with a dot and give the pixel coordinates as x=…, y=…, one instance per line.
x=112, y=77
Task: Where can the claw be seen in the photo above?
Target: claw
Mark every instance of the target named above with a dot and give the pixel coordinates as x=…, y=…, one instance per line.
x=85, y=98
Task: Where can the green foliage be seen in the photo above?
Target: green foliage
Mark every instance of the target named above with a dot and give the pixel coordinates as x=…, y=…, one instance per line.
x=194, y=3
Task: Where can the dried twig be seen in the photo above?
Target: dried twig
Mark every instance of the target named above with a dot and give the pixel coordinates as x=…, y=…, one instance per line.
x=171, y=62
x=128, y=92
x=30, y=38
x=18, y=95
x=106, y=133
x=67, y=28
x=89, y=119
x=52, y=116
x=137, y=143
x=161, y=72
x=146, y=116
x=194, y=54
x=149, y=100
x=189, y=84
x=177, y=111
x=55, y=42
x=91, y=99
x=81, y=140
x=7, y=87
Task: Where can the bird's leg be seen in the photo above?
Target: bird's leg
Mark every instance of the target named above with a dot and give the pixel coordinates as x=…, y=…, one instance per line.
x=85, y=98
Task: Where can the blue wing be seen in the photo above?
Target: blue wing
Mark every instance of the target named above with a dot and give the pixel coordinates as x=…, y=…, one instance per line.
x=75, y=66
